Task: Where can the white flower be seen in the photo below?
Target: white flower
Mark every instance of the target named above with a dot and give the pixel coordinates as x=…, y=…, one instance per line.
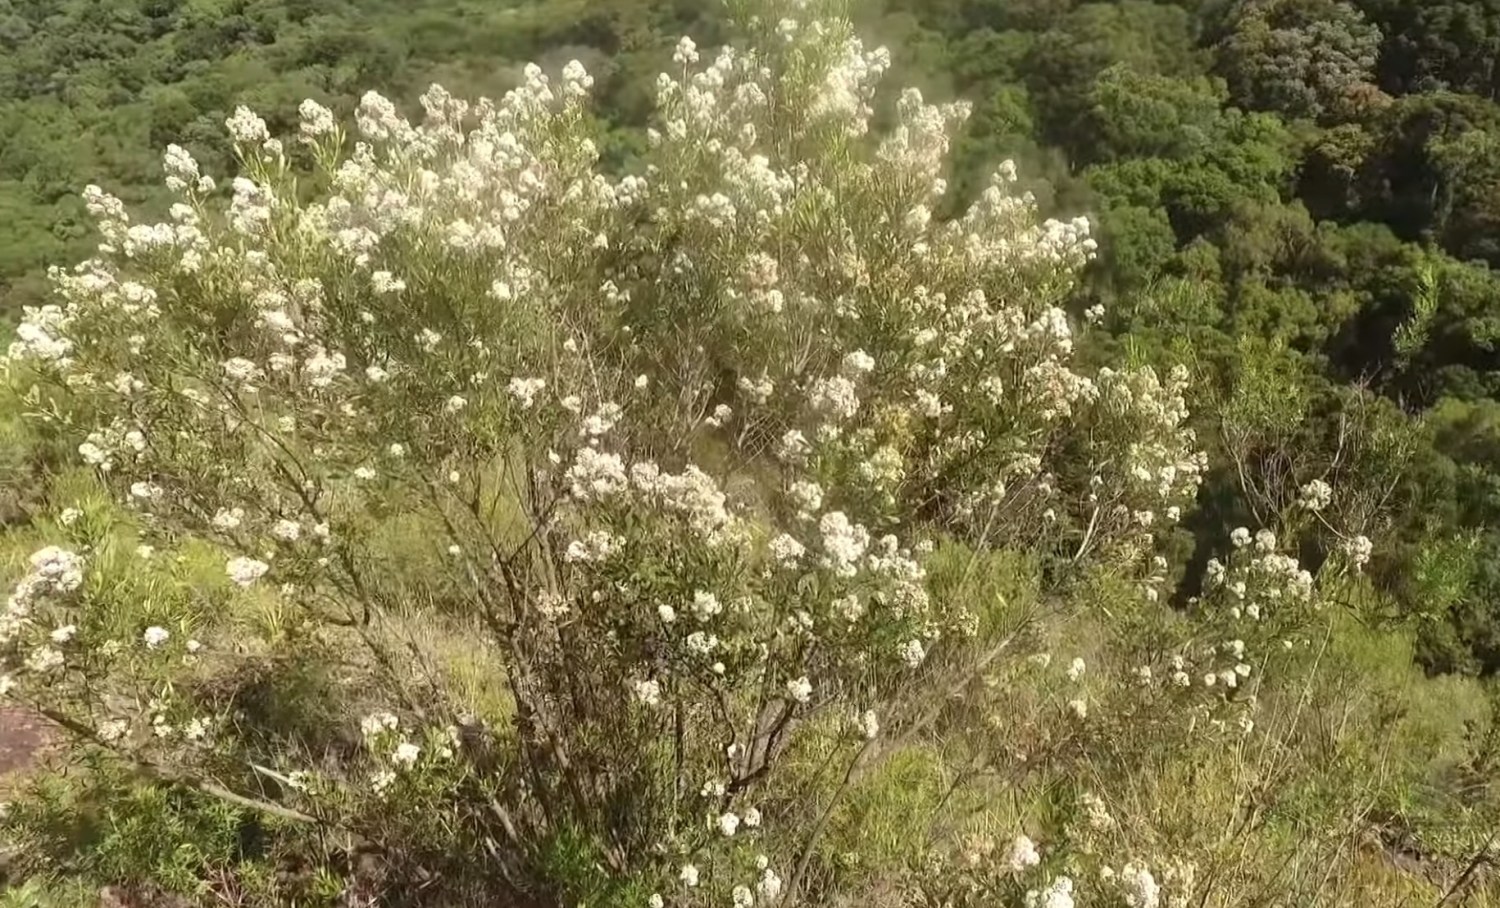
x=702, y=643
x=225, y=520
x=1076, y=669
x=666, y=613
x=912, y=653
x=245, y=571
x=752, y=817
x=145, y=552
x=930, y=404
x=843, y=542
x=322, y=367
x=93, y=455
x=869, y=725
x=155, y=636
x=1140, y=887
x=316, y=120
x=44, y=659
x=1316, y=495
x=786, y=549
x=835, y=397
x=721, y=415
x=246, y=127
x=808, y=496
x=759, y=390
x=656, y=901
x=706, y=605
x=56, y=569
x=383, y=282
x=1358, y=548
x=858, y=363
x=1058, y=894
x=793, y=447
x=1240, y=537
x=1080, y=708
x=648, y=692
x=799, y=689
x=240, y=370
x=69, y=516
x=742, y=897
x=364, y=474
x=525, y=390
x=595, y=475
x=286, y=530
x=688, y=875
x=145, y=490
x=602, y=420
x=406, y=754
x=597, y=545
x=1023, y=855
x=378, y=723
x=113, y=729
x=729, y=823
x=65, y=633
x=454, y=404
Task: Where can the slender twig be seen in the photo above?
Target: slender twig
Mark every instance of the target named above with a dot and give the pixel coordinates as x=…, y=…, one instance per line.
x=1481, y=857
x=794, y=888
x=176, y=777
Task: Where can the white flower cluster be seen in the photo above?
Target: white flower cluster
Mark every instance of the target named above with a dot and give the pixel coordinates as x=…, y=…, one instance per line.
x=1138, y=886
x=844, y=543
x=245, y=571
x=1258, y=581
x=1023, y=855
x=1316, y=495
x=679, y=388
x=1057, y=894
x=54, y=574
x=1358, y=549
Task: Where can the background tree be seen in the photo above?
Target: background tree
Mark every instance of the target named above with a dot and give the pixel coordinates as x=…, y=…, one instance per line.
x=1302, y=59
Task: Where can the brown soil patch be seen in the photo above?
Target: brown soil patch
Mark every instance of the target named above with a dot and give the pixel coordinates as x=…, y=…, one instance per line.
x=24, y=736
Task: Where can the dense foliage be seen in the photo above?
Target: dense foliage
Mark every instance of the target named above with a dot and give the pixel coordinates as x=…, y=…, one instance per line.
x=1315, y=183
x=731, y=486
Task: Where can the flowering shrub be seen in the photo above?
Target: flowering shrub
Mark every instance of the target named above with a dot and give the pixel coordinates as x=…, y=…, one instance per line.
x=562, y=520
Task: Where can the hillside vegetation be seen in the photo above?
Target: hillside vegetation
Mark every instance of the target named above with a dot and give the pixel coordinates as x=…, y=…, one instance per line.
x=1306, y=190
x=732, y=477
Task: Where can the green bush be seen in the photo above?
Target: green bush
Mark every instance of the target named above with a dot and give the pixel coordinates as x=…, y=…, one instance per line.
x=450, y=522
